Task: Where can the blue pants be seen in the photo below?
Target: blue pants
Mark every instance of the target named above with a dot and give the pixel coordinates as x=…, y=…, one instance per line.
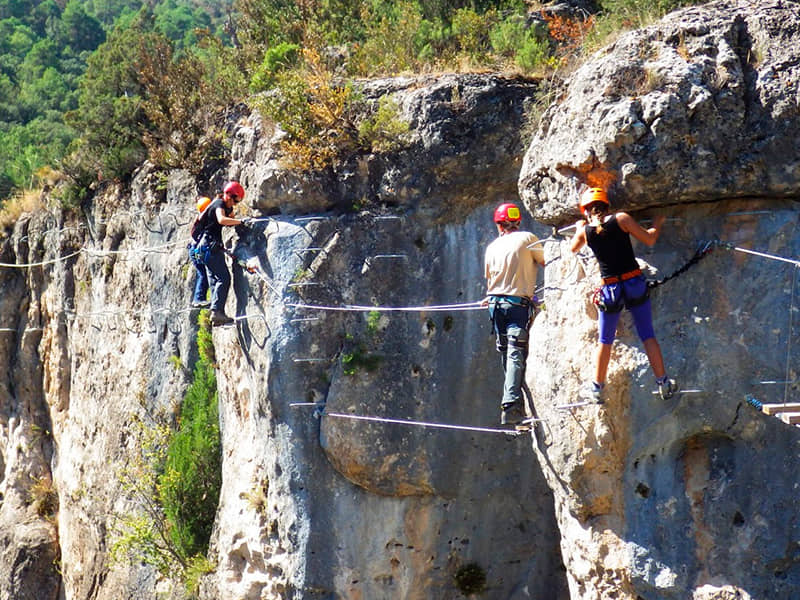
x=200, y=282
x=625, y=294
x=219, y=278
x=510, y=322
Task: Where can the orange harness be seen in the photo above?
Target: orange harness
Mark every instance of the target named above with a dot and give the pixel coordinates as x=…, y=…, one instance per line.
x=623, y=277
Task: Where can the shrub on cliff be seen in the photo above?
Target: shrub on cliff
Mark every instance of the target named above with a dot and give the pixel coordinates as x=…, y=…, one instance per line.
x=190, y=484
x=174, y=482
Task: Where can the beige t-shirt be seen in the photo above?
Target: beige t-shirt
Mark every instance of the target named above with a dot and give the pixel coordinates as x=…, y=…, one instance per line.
x=511, y=266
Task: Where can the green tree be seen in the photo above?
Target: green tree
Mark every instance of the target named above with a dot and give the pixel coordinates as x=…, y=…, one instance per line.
x=48, y=91
x=175, y=481
x=178, y=21
x=16, y=8
x=267, y=23
x=16, y=40
x=43, y=18
x=181, y=104
x=9, y=106
x=109, y=117
x=25, y=149
x=189, y=487
x=78, y=29
x=113, y=12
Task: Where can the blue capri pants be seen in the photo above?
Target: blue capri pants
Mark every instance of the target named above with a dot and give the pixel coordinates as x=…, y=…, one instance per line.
x=627, y=294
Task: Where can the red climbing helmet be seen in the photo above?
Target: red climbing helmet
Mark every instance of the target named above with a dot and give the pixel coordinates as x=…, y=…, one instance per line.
x=591, y=196
x=507, y=213
x=234, y=188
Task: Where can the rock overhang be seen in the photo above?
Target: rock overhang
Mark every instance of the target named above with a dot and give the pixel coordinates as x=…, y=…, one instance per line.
x=700, y=107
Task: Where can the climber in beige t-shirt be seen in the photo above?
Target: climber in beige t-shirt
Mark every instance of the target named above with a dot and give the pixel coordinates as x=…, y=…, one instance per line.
x=511, y=265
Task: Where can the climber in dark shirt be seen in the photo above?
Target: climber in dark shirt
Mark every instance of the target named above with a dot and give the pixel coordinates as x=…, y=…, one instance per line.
x=624, y=285
x=219, y=214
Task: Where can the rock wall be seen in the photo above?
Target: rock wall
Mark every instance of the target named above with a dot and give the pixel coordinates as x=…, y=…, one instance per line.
x=694, y=117
x=641, y=498
x=310, y=507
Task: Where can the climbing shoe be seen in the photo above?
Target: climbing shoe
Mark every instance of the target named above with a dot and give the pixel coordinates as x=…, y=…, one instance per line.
x=594, y=393
x=667, y=388
x=219, y=318
x=201, y=304
x=511, y=414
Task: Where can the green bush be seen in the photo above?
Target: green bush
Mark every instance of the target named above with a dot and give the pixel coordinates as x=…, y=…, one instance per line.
x=189, y=487
x=470, y=579
x=175, y=481
x=393, y=42
x=527, y=46
x=316, y=110
x=277, y=59
x=385, y=130
x=190, y=484
x=471, y=32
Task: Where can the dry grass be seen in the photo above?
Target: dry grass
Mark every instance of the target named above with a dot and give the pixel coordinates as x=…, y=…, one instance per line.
x=26, y=201
x=42, y=495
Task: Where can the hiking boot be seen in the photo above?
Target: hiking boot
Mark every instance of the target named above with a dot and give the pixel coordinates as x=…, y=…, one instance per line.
x=667, y=389
x=511, y=414
x=219, y=318
x=201, y=304
x=591, y=392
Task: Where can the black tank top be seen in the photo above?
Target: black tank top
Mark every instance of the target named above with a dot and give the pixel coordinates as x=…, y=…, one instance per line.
x=612, y=248
x=209, y=223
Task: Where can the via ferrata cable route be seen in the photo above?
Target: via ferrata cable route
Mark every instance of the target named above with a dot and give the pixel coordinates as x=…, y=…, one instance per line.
x=251, y=265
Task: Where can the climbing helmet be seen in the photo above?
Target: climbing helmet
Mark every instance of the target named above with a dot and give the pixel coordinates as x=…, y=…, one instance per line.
x=202, y=203
x=507, y=213
x=591, y=196
x=234, y=188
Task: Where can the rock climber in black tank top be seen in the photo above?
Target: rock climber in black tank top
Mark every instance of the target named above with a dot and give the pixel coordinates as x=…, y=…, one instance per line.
x=624, y=285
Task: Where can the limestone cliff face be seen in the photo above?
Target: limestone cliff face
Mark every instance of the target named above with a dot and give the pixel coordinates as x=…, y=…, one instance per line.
x=691, y=498
x=100, y=338
x=696, y=118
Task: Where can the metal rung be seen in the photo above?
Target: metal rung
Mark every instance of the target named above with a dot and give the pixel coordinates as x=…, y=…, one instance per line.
x=299, y=360
x=777, y=408
x=792, y=418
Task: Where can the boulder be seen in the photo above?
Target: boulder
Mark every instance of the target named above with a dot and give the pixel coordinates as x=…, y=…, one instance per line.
x=699, y=107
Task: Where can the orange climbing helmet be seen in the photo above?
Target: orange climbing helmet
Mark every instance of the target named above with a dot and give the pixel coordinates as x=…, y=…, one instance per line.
x=507, y=213
x=234, y=188
x=591, y=196
x=202, y=203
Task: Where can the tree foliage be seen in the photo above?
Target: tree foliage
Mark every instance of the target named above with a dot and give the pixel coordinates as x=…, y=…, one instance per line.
x=125, y=80
x=175, y=480
x=69, y=63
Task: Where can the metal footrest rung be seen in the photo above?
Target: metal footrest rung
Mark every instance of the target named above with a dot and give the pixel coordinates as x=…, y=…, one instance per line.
x=776, y=408
x=792, y=418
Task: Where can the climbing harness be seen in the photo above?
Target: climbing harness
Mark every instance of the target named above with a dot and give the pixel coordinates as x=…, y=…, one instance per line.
x=621, y=278
x=200, y=251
